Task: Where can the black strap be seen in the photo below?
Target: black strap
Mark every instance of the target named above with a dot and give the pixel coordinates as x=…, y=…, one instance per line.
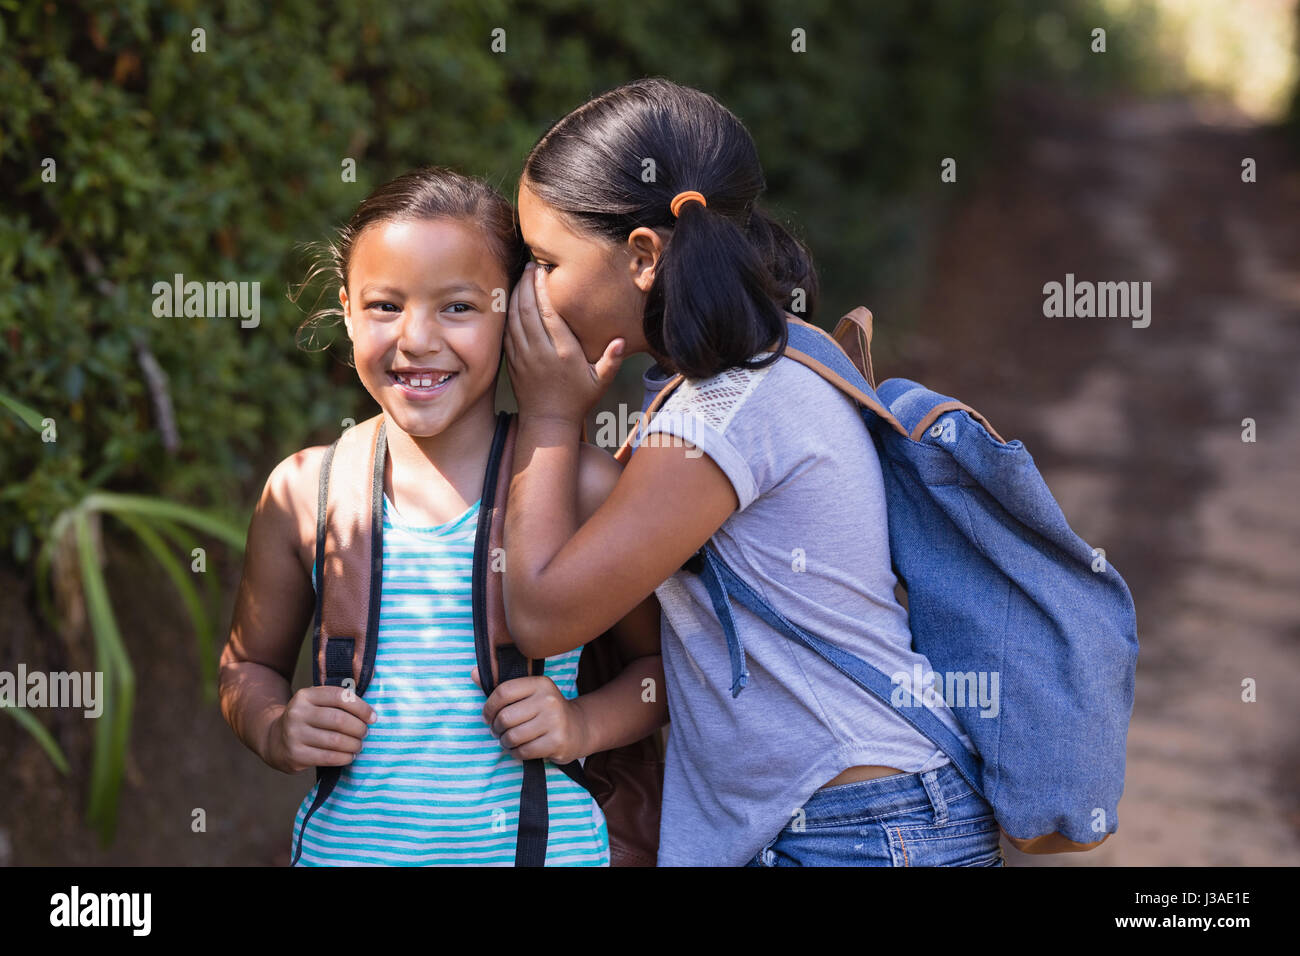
x=481, y=569
x=376, y=557
x=322, y=497
x=326, y=778
x=340, y=650
x=534, y=809
x=573, y=770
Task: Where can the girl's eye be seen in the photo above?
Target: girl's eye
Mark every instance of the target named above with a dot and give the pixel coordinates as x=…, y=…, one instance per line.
x=465, y=304
x=383, y=306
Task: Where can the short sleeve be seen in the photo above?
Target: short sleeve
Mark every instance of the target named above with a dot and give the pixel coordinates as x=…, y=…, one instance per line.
x=702, y=412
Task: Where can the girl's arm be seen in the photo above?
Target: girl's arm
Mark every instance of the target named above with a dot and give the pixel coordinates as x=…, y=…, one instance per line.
x=318, y=726
x=531, y=717
x=569, y=583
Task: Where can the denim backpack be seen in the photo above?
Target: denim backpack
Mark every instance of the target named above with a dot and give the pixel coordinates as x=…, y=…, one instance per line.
x=999, y=589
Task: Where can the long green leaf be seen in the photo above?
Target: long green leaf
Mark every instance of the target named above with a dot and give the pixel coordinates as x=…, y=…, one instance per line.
x=29, y=415
x=186, y=543
x=203, y=628
x=168, y=510
x=112, y=736
x=37, y=730
x=43, y=561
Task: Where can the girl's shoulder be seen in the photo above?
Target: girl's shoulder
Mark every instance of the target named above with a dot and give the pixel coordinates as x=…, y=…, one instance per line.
x=782, y=391
x=717, y=399
x=287, y=507
x=296, y=479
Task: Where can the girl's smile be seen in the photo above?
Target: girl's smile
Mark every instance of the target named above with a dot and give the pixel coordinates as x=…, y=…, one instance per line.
x=421, y=384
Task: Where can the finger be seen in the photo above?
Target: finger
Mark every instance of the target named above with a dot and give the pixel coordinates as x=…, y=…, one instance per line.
x=530, y=318
x=517, y=713
x=527, y=732
x=344, y=698
x=515, y=331
x=315, y=757
x=609, y=363
x=545, y=746
x=339, y=720
x=507, y=693
x=330, y=740
x=558, y=330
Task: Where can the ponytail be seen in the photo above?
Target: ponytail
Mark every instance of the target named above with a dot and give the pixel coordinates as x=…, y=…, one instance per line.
x=714, y=303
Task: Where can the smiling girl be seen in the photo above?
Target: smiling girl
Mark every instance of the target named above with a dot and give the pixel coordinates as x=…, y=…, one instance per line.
x=803, y=767
x=432, y=772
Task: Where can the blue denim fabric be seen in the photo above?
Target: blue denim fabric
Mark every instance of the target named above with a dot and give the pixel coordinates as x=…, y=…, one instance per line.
x=998, y=583
x=932, y=818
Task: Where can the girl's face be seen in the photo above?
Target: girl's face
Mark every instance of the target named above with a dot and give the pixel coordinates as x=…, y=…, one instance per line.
x=425, y=336
x=598, y=287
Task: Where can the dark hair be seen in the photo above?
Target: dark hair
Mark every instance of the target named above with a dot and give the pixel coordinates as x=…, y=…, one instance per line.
x=728, y=270
x=430, y=192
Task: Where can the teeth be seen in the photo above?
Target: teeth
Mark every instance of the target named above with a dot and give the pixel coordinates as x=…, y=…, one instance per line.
x=422, y=381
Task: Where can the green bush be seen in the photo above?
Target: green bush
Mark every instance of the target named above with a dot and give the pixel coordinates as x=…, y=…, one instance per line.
x=215, y=164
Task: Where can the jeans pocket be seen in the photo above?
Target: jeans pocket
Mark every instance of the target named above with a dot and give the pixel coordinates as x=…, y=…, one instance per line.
x=974, y=841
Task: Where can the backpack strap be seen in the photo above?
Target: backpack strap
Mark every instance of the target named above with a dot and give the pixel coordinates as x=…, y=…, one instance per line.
x=350, y=556
x=827, y=356
x=349, y=578
x=722, y=583
x=498, y=657
x=491, y=640
x=625, y=450
x=853, y=333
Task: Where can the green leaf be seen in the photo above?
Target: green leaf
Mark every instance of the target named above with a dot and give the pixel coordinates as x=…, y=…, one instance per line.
x=31, y=416
x=34, y=727
x=168, y=510
x=113, y=731
x=203, y=627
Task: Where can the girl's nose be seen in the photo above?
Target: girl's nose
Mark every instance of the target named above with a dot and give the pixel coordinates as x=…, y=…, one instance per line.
x=421, y=332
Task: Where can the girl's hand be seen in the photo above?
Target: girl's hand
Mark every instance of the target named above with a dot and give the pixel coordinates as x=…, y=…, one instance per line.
x=319, y=727
x=548, y=370
x=533, y=719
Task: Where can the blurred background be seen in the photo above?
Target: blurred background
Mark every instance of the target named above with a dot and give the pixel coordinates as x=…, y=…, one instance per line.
x=141, y=139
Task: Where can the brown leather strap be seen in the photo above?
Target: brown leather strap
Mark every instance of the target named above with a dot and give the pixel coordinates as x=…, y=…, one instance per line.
x=860, y=319
x=1053, y=842
x=346, y=597
x=625, y=450
x=853, y=333
x=944, y=407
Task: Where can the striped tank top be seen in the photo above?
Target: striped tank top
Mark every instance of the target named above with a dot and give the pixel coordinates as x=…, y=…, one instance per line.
x=431, y=785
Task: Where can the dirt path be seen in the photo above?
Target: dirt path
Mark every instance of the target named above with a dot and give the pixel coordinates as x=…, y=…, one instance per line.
x=1139, y=432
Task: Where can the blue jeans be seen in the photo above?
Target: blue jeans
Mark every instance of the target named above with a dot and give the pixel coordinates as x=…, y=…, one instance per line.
x=908, y=819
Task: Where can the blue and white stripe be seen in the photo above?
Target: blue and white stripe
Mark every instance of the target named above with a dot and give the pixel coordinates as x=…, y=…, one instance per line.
x=431, y=785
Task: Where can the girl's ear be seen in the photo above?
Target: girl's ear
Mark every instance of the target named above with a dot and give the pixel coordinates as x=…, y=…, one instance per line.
x=347, y=314
x=645, y=246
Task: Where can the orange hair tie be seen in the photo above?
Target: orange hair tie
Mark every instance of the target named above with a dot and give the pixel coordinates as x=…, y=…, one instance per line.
x=684, y=197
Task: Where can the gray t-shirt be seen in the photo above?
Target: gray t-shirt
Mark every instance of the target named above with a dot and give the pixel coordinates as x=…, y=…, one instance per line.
x=811, y=537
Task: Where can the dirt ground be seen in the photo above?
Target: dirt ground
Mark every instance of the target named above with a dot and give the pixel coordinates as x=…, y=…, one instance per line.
x=1138, y=432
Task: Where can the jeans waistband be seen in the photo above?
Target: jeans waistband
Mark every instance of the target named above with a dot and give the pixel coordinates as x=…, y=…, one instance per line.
x=899, y=792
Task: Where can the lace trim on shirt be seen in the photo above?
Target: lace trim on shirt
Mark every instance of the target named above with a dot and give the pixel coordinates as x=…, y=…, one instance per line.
x=716, y=400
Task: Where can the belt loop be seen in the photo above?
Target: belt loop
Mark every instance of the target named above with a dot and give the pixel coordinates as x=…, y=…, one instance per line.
x=934, y=791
